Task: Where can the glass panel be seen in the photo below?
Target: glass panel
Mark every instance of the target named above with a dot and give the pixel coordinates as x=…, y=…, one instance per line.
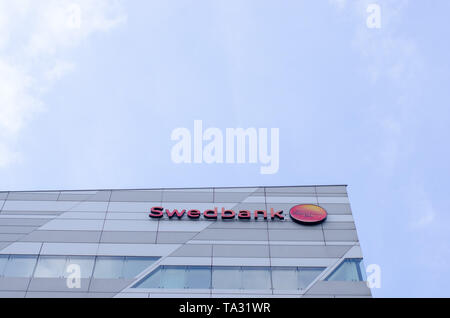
x=86, y=264
x=227, y=278
x=306, y=275
x=109, y=267
x=284, y=278
x=152, y=281
x=20, y=266
x=256, y=277
x=50, y=267
x=198, y=277
x=348, y=270
x=135, y=265
x=3, y=261
x=173, y=277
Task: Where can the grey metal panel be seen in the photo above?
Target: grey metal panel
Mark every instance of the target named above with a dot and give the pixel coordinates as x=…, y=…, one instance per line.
x=69, y=249
x=38, y=205
x=23, y=222
x=290, y=190
x=13, y=284
x=339, y=226
x=16, y=229
x=331, y=189
x=239, y=224
x=232, y=235
x=136, y=196
x=3, y=195
x=56, y=284
x=341, y=235
x=193, y=250
x=288, y=224
x=63, y=236
x=12, y=294
x=22, y=248
x=337, y=208
x=241, y=250
x=18, y=214
x=3, y=245
x=132, y=206
x=130, y=225
x=295, y=235
x=33, y=196
x=10, y=237
x=109, y=285
x=187, y=196
x=94, y=196
x=73, y=225
x=339, y=288
x=174, y=237
x=128, y=237
x=308, y=251
x=235, y=196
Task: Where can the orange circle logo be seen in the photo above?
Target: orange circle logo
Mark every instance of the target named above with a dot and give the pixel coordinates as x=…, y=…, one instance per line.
x=308, y=214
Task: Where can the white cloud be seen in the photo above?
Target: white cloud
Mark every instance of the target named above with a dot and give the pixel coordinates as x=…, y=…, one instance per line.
x=34, y=39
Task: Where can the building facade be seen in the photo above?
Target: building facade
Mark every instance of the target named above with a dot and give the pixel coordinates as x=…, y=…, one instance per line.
x=208, y=242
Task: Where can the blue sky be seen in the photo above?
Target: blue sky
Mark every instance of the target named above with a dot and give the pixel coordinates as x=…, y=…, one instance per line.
x=92, y=105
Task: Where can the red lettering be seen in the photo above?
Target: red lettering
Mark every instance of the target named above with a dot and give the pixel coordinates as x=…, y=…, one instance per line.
x=194, y=214
x=244, y=214
x=264, y=212
x=171, y=214
x=277, y=214
x=156, y=212
x=210, y=214
x=228, y=214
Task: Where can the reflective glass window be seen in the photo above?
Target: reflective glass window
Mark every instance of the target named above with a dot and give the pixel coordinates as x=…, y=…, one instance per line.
x=151, y=281
x=198, y=277
x=50, y=267
x=86, y=264
x=133, y=266
x=173, y=277
x=285, y=278
x=20, y=266
x=227, y=277
x=306, y=275
x=351, y=269
x=256, y=278
x=109, y=267
x=3, y=261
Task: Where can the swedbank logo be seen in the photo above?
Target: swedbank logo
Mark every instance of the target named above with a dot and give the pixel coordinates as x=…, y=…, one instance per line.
x=304, y=213
x=308, y=214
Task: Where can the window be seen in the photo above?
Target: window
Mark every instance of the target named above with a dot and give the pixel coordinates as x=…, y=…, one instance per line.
x=121, y=267
x=86, y=264
x=230, y=277
x=226, y=277
x=306, y=275
x=256, y=278
x=178, y=277
x=3, y=261
x=292, y=278
x=284, y=278
x=109, y=267
x=198, y=277
x=19, y=266
x=351, y=269
x=50, y=267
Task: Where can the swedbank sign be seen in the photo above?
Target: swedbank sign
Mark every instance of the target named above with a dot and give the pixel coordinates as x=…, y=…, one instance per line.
x=309, y=214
